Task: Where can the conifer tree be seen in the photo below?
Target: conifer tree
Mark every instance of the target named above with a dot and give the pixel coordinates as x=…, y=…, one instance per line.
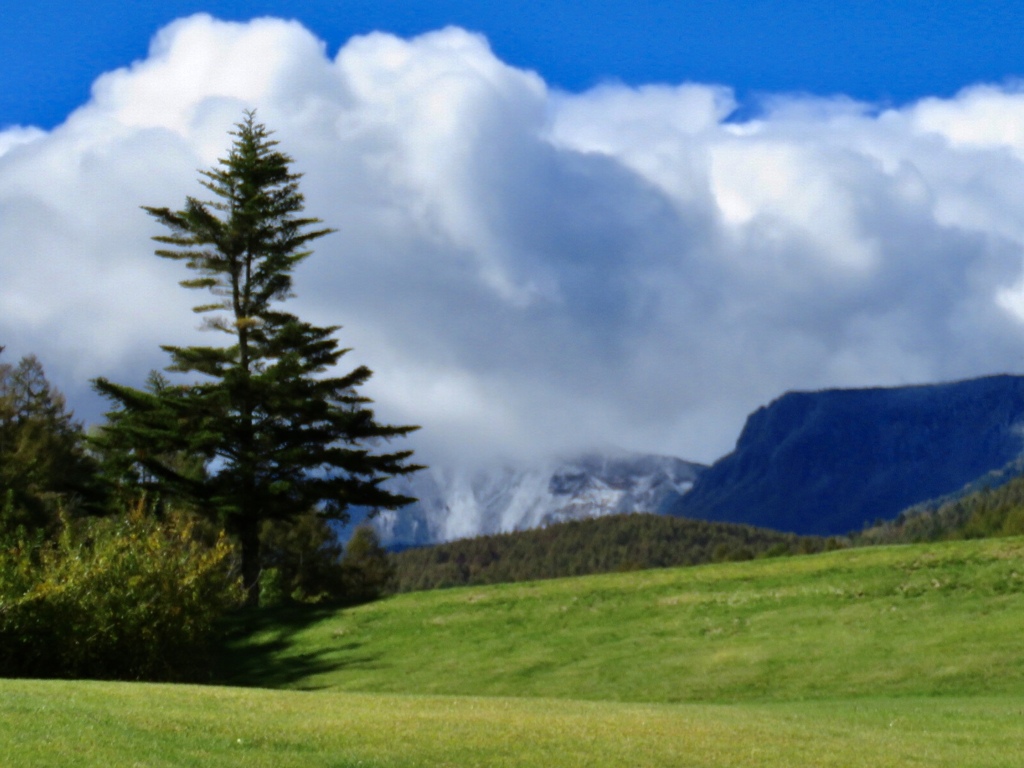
x=43, y=462
x=277, y=433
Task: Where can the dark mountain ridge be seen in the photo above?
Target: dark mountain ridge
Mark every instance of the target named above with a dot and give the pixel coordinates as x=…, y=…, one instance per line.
x=830, y=462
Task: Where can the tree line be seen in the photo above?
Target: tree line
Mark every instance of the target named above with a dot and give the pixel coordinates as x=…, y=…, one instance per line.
x=984, y=513
x=596, y=545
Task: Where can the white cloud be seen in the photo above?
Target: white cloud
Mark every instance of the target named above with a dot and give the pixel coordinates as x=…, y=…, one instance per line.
x=984, y=117
x=529, y=270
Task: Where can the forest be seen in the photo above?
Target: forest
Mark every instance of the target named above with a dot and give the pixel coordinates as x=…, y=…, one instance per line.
x=596, y=545
x=987, y=512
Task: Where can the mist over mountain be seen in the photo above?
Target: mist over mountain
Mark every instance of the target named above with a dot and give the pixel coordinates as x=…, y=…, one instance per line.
x=830, y=462
x=459, y=503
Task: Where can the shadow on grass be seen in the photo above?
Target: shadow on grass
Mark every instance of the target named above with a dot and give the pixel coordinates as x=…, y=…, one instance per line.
x=259, y=648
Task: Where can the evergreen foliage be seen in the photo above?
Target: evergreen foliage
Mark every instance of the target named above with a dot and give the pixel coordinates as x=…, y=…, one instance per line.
x=43, y=462
x=275, y=435
x=124, y=459
x=986, y=513
x=367, y=569
x=597, y=545
x=301, y=561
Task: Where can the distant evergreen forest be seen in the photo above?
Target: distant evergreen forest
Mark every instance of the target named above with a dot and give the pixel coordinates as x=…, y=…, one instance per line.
x=598, y=545
x=987, y=513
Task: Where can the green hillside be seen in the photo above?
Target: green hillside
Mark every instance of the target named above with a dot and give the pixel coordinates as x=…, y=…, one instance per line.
x=894, y=656
x=941, y=619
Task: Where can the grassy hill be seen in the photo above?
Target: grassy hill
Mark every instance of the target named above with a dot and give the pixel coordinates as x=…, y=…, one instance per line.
x=896, y=656
x=918, y=620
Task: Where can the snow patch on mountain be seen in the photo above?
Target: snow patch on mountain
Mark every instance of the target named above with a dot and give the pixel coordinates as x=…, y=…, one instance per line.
x=459, y=503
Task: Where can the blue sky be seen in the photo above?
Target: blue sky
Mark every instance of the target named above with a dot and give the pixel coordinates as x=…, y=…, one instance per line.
x=569, y=227
x=875, y=51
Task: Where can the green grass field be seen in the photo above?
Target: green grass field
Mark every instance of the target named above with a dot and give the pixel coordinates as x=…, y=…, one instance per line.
x=102, y=725
x=898, y=656
x=941, y=619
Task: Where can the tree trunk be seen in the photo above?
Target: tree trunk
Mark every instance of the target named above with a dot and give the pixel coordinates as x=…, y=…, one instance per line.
x=249, y=537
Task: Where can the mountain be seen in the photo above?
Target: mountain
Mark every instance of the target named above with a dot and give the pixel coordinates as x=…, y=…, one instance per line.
x=829, y=462
x=457, y=503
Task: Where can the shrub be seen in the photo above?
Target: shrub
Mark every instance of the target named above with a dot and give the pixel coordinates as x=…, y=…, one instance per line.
x=132, y=598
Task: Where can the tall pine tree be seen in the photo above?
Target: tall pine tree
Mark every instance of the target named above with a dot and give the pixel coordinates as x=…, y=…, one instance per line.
x=278, y=435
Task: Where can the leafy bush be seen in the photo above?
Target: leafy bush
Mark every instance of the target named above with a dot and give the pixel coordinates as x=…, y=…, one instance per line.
x=120, y=598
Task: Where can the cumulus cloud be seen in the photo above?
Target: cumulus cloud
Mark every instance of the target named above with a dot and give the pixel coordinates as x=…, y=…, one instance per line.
x=529, y=270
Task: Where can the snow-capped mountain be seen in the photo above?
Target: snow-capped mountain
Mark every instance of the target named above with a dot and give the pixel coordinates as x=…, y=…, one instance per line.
x=459, y=503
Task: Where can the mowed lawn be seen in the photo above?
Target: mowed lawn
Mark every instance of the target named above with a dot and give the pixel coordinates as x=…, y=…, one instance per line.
x=898, y=656
x=102, y=725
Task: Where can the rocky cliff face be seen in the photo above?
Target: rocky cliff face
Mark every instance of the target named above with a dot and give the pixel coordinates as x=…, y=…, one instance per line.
x=458, y=503
x=828, y=462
